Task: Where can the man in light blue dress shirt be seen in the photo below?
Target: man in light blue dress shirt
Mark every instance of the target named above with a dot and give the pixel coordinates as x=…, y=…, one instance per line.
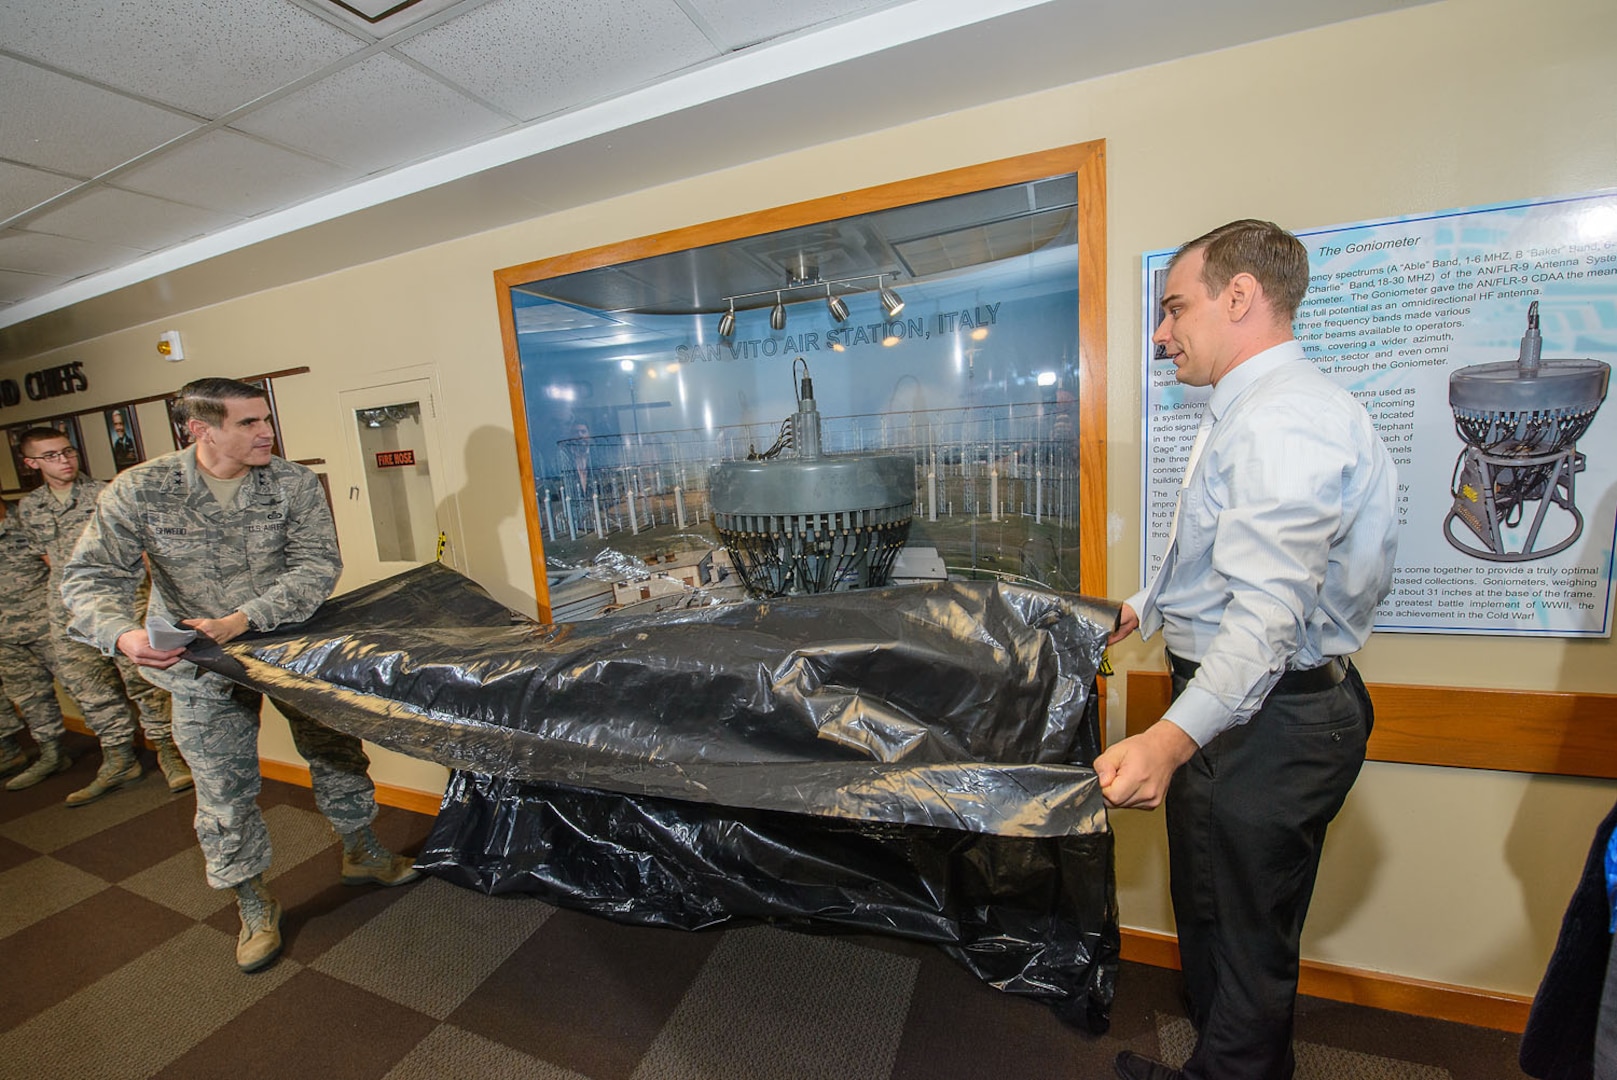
x=1282, y=549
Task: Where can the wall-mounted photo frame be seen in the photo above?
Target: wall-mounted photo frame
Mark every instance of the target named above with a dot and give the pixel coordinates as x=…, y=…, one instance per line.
x=27, y=478
x=176, y=427
x=985, y=367
x=123, y=432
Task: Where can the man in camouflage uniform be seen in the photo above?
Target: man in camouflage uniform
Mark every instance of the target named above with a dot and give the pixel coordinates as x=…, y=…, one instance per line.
x=237, y=540
x=108, y=690
x=26, y=661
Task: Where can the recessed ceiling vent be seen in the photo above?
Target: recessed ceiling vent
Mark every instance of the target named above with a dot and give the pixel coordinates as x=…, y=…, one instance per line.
x=379, y=18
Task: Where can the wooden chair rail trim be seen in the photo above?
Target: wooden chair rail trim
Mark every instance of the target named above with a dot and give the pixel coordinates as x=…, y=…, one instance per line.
x=403, y=798
x=1529, y=731
x=1359, y=986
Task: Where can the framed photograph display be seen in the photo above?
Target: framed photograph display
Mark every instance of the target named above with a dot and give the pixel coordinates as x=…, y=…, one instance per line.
x=952, y=326
x=176, y=426
x=27, y=478
x=123, y=432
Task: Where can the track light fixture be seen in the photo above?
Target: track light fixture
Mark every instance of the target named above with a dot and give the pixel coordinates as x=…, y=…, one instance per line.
x=838, y=309
x=891, y=302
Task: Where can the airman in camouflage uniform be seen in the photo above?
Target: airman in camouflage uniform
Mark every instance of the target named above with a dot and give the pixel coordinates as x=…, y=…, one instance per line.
x=26, y=661
x=237, y=539
x=109, y=691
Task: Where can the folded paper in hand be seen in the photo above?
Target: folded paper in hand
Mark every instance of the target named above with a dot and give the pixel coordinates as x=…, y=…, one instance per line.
x=164, y=635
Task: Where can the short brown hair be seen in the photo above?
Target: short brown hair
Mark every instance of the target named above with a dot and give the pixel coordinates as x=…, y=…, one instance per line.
x=36, y=435
x=1260, y=248
x=204, y=399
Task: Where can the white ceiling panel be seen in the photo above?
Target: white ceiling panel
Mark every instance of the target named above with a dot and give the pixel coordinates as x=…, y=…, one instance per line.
x=16, y=286
x=206, y=56
x=59, y=256
x=60, y=123
x=537, y=57
x=22, y=187
x=235, y=174
x=739, y=23
x=375, y=114
x=109, y=216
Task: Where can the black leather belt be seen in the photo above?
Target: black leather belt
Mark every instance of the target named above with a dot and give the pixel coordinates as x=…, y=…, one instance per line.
x=1308, y=681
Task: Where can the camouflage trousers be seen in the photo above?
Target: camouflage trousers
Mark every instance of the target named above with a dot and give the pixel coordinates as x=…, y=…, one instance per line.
x=93, y=682
x=216, y=728
x=25, y=669
x=108, y=694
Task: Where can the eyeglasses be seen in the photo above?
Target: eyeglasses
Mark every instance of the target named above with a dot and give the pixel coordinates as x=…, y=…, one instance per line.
x=56, y=455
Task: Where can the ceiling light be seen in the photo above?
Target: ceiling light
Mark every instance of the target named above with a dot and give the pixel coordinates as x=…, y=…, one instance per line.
x=891, y=302
x=626, y=365
x=839, y=310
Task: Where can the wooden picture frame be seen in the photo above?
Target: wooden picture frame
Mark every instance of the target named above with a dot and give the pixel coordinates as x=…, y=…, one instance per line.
x=1085, y=161
x=123, y=433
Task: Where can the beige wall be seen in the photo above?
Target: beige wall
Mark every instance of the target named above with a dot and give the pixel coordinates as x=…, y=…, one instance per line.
x=1436, y=874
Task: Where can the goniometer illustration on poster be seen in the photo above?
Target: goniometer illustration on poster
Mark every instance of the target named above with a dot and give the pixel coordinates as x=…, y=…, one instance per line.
x=1481, y=342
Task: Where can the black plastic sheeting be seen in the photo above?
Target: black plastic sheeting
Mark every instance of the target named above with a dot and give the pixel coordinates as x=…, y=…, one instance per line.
x=910, y=761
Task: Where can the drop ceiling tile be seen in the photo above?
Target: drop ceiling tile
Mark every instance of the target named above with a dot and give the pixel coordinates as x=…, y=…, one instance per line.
x=61, y=123
x=206, y=56
x=16, y=287
x=62, y=256
x=537, y=57
x=373, y=115
x=740, y=23
x=109, y=216
x=234, y=174
x=22, y=187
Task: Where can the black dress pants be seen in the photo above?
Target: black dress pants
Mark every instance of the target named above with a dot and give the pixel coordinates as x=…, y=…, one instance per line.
x=1246, y=820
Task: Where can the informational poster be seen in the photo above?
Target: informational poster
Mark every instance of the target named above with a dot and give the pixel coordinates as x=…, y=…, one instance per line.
x=1481, y=342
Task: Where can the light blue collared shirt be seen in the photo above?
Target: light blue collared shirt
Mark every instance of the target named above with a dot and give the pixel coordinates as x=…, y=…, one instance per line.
x=1285, y=543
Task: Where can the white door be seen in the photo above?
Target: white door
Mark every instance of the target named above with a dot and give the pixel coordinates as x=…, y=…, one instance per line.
x=392, y=504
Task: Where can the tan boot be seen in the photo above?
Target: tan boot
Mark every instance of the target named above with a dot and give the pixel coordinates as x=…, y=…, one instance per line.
x=119, y=766
x=260, y=939
x=175, y=770
x=366, y=862
x=52, y=760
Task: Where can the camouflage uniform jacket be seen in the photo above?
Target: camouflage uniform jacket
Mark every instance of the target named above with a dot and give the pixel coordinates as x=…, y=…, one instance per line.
x=272, y=555
x=55, y=528
x=22, y=582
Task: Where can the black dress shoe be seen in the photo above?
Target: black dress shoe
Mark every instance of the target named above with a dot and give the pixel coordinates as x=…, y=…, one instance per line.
x=1131, y=1066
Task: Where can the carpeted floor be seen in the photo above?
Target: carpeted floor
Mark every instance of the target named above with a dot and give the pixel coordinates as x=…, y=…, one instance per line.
x=117, y=962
